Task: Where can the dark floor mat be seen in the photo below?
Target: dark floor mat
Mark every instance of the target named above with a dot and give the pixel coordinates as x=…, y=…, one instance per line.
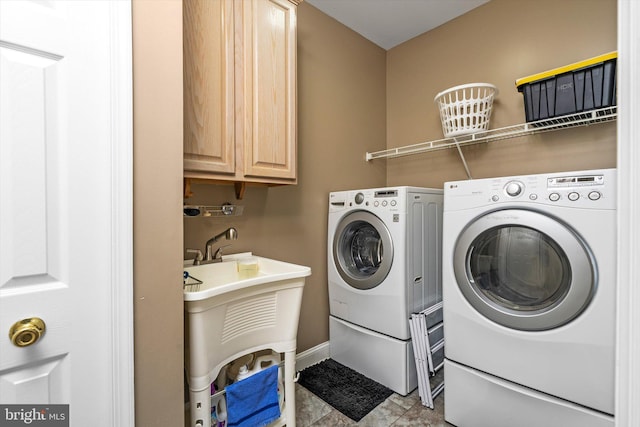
x=346, y=390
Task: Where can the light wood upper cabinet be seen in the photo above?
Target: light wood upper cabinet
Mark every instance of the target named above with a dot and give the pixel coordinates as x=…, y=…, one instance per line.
x=209, y=101
x=240, y=90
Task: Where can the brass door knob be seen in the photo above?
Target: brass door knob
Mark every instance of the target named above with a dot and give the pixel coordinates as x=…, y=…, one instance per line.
x=25, y=332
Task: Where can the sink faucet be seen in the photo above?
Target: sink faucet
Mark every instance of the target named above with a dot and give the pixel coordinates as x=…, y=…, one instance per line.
x=229, y=234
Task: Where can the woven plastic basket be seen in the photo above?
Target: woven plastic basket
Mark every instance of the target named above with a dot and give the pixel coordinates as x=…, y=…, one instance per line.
x=466, y=109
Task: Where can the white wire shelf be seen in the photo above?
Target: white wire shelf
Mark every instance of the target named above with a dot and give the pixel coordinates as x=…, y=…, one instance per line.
x=586, y=118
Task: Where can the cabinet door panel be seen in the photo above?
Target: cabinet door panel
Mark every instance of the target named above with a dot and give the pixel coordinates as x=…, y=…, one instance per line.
x=209, y=128
x=268, y=88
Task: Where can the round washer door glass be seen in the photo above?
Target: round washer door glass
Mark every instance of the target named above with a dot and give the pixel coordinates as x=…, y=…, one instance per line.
x=524, y=270
x=362, y=250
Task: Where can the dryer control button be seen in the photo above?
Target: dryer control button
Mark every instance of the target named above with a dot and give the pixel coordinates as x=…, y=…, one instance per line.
x=533, y=196
x=573, y=196
x=359, y=198
x=384, y=203
x=393, y=203
x=495, y=198
x=554, y=197
x=595, y=195
x=513, y=188
x=376, y=203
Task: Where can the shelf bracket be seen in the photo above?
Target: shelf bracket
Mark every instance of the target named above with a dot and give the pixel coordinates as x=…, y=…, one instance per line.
x=464, y=161
x=239, y=187
x=186, y=188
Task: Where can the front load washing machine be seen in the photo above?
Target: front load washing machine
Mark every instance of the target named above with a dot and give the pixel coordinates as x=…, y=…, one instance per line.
x=529, y=290
x=384, y=263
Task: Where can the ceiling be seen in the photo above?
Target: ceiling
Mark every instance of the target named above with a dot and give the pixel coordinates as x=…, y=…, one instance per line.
x=388, y=23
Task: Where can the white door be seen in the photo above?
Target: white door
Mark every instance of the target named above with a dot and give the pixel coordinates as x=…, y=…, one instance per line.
x=65, y=131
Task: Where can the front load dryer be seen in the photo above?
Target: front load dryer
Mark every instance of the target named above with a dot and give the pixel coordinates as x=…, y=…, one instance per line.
x=384, y=263
x=529, y=289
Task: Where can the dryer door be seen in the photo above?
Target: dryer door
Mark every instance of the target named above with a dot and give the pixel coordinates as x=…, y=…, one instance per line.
x=362, y=250
x=524, y=270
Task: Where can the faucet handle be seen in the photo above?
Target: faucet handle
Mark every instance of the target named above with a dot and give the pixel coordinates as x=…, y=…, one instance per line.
x=218, y=253
x=198, y=257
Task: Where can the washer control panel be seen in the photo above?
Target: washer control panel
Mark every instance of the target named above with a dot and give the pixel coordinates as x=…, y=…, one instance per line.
x=571, y=188
x=385, y=198
x=381, y=198
x=577, y=187
x=588, y=189
x=394, y=200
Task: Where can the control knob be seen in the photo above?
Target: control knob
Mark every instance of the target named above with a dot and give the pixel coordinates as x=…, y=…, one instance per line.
x=513, y=188
x=359, y=198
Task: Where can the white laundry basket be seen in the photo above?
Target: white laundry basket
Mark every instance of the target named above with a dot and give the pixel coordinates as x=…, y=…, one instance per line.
x=466, y=109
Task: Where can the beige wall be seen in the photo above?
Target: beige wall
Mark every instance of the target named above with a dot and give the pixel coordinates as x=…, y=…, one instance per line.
x=341, y=115
x=157, y=222
x=497, y=43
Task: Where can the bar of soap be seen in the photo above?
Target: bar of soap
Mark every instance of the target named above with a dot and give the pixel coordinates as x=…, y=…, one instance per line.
x=248, y=267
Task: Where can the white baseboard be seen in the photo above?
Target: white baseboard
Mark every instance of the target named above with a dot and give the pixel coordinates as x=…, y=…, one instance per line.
x=312, y=356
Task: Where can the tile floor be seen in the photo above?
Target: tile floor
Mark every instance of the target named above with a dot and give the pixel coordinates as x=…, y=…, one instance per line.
x=396, y=411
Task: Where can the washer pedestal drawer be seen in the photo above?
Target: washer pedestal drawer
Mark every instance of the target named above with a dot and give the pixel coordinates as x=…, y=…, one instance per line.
x=475, y=399
x=386, y=360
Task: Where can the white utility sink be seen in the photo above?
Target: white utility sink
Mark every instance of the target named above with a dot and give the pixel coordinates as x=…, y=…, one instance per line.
x=243, y=304
x=237, y=272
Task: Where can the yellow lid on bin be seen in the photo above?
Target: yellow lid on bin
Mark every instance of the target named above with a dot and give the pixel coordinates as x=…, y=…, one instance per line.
x=567, y=68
